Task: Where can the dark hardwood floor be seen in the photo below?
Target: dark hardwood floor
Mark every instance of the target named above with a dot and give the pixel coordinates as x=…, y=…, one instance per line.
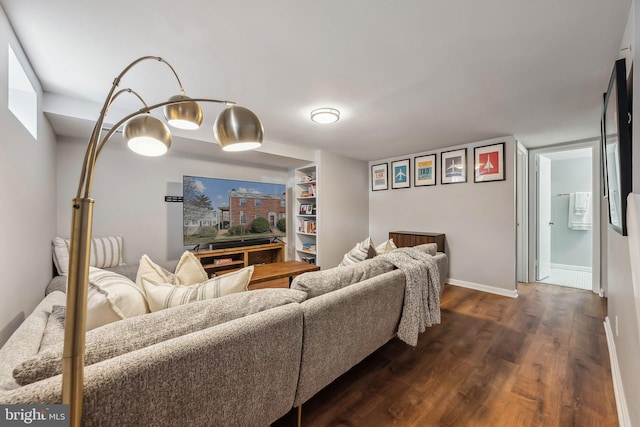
x=537, y=360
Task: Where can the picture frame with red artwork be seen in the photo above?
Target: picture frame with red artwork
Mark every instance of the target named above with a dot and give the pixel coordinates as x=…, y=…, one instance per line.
x=489, y=163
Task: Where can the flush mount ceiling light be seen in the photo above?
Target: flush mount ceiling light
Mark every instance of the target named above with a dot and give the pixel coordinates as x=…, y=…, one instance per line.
x=325, y=115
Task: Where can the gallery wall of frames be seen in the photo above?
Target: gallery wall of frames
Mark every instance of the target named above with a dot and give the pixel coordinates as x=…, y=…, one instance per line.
x=448, y=167
x=466, y=192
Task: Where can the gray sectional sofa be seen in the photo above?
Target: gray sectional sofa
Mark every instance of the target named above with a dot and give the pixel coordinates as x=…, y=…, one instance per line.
x=241, y=360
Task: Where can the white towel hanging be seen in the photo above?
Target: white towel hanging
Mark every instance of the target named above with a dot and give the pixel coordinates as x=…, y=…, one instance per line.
x=582, y=202
x=579, y=215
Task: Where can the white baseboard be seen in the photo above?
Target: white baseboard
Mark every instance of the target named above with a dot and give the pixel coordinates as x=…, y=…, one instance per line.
x=621, y=402
x=484, y=288
x=571, y=267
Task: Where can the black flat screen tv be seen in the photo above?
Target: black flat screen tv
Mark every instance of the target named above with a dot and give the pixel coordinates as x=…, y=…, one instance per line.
x=220, y=213
x=616, y=147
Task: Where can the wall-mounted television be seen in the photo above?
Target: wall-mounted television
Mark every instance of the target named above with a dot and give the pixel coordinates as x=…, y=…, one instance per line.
x=616, y=147
x=225, y=213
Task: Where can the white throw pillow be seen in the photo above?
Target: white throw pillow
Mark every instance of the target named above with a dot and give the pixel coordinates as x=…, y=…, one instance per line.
x=105, y=252
x=112, y=297
x=165, y=295
x=386, y=247
x=152, y=272
x=189, y=270
x=361, y=251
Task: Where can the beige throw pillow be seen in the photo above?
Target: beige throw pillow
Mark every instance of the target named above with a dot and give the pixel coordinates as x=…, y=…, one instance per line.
x=152, y=272
x=361, y=251
x=112, y=297
x=385, y=247
x=165, y=295
x=188, y=272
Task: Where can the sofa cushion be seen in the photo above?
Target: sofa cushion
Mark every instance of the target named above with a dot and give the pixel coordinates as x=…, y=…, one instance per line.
x=320, y=282
x=25, y=341
x=164, y=295
x=428, y=248
x=361, y=251
x=105, y=252
x=54, y=330
x=132, y=334
x=112, y=297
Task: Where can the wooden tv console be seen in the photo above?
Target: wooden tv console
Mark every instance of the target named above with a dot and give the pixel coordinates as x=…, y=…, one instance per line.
x=220, y=261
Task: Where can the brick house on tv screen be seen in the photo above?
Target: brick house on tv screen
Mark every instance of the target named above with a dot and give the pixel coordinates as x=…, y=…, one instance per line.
x=244, y=208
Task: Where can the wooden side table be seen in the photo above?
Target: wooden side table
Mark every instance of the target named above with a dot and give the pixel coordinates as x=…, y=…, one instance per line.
x=415, y=238
x=278, y=274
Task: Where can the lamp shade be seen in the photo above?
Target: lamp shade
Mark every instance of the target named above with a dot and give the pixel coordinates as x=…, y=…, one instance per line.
x=147, y=135
x=183, y=115
x=238, y=129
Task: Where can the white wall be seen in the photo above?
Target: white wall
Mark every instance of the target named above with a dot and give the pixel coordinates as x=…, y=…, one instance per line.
x=477, y=218
x=129, y=191
x=343, y=206
x=621, y=303
x=27, y=207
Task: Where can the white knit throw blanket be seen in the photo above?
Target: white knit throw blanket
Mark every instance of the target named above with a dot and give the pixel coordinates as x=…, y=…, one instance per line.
x=421, y=307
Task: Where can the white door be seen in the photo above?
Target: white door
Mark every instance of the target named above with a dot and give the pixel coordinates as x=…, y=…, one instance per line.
x=544, y=218
x=521, y=216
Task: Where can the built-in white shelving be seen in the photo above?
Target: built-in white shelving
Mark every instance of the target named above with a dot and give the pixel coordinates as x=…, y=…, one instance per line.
x=306, y=213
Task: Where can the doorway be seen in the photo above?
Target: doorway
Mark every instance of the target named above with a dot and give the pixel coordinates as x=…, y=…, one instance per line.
x=565, y=218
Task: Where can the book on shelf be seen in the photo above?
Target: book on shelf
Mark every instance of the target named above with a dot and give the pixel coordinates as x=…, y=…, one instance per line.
x=222, y=261
x=308, y=227
x=309, y=247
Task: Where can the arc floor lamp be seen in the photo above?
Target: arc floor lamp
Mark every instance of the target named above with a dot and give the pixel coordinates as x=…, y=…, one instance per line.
x=235, y=129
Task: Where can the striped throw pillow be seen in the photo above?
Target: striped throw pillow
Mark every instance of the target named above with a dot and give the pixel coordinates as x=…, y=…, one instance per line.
x=112, y=297
x=361, y=251
x=105, y=252
x=165, y=295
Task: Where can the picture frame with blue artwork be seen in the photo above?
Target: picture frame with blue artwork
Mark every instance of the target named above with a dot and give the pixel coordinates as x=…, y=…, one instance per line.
x=425, y=170
x=453, y=166
x=401, y=174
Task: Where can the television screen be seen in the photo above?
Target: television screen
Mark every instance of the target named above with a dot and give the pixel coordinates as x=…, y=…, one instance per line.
x=219, y=211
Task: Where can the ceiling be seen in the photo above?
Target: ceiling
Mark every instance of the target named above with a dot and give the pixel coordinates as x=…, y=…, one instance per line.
x=407, y=76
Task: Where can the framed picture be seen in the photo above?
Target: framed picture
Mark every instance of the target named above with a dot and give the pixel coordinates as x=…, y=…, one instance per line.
x=401, y=174
x=489, y=163
x=424, y=170
x=453, y=166
x=380, y=177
